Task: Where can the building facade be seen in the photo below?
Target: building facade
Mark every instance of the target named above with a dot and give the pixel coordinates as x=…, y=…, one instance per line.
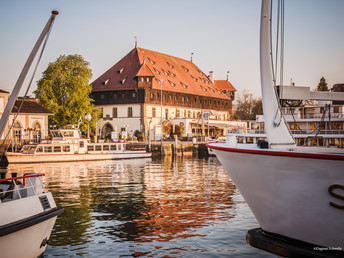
x=147, y=90
x=30, y=123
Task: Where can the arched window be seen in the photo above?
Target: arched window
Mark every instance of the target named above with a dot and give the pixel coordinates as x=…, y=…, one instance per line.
x=17, y=132
x=37, y=133
x=106, y=132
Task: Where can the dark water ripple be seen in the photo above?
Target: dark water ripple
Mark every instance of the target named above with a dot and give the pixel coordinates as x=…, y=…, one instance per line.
x=144, y=208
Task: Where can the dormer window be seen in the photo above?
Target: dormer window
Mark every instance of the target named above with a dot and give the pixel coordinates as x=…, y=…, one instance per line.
x=122, y=81
x=211, y=90
x=186, y=69
x=173, y=84
x=204, y=89
x=105, y=82
x=120, y=71
x=185, y=86
x=150, y=60
x=166, y=73
x=195, y=79
x=170, y=65
x=173, y=75
x=157, y=71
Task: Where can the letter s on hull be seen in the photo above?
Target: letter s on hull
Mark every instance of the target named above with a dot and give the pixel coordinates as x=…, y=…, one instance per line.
x=331, y=190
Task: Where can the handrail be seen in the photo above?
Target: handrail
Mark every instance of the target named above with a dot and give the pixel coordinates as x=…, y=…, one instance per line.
x=22, y=177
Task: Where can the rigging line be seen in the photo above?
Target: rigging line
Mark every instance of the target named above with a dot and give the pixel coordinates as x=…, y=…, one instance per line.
x=317, y=129
x=27, y=90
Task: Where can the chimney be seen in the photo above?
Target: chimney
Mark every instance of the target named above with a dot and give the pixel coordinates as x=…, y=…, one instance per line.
x=211, y=76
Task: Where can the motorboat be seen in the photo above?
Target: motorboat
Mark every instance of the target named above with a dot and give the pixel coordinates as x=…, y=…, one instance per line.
x=296, y=193
x=28, y=214
x=68, y=145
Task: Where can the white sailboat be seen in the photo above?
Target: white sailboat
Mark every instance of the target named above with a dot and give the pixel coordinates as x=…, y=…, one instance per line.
x=294, y=192
x=27, y=211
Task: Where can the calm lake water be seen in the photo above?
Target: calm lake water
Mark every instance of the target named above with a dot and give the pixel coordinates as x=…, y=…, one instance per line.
x=146, y=208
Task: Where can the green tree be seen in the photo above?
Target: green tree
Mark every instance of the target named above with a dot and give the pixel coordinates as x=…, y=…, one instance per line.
x=247, y=106
x=64, y=89
x=322, y=86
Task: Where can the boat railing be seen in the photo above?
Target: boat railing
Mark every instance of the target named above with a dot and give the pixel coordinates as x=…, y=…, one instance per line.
x=321, y=132
x=12, y=189
x=318, y=116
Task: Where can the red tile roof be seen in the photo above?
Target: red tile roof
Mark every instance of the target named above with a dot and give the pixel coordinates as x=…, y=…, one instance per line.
x=177, y=74
x=224, y=85
x=30, y=107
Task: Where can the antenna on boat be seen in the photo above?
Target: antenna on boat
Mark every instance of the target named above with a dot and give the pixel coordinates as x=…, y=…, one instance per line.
x=20, y=81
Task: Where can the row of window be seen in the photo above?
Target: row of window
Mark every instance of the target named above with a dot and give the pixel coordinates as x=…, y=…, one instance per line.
x=119, y=95
x=184, y=114
x=104, y=147
x=115, y=112
x=157, y=96
x=49, y=149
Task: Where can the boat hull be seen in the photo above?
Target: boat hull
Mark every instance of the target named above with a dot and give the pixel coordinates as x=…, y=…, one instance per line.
x=26, y=225
x=14, y=158
x=291, y=195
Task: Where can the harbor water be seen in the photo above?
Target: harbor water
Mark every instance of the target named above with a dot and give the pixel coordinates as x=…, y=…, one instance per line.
x=185, y=207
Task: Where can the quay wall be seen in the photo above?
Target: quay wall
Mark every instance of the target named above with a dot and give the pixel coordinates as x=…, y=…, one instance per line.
x=182, y=149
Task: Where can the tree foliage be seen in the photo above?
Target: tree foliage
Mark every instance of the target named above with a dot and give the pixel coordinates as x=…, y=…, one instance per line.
x=322, y=86
x=247, y=106
x=64, y=89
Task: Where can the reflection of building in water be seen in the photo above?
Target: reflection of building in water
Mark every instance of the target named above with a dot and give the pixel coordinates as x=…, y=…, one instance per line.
x=135, y=200
x=83, y=188
x=182, y=196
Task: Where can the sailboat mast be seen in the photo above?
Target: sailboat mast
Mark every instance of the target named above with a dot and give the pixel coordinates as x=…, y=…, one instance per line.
x=26, y=68
x=277, y=131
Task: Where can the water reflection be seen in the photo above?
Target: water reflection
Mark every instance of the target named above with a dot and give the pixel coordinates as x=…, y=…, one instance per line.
x=140, y=207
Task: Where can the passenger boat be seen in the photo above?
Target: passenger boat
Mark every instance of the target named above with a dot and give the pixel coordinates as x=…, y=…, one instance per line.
x=296, y=193
x=67, y=145
x=27, y=211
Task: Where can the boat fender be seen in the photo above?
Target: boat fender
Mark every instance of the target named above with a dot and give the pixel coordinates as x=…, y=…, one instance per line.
x=45, y=241
x=262, y=144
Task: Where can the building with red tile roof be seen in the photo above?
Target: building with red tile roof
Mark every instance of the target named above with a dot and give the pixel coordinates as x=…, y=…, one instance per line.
x=30, y=119
x=154, y=87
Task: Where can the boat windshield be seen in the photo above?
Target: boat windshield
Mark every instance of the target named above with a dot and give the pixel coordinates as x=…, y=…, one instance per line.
x=56, y=134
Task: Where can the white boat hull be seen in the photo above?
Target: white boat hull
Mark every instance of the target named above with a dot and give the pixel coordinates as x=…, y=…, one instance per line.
x=14, y=158
x=25, y=226
x=289, y=195
x=26, y=243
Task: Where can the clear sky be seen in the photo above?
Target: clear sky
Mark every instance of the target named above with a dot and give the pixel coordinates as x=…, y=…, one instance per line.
x=222, y=34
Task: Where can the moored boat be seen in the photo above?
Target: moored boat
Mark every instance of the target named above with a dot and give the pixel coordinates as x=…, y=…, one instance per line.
x=295, y=193
x=67, y=145
x=28, y=214
x=28, y=211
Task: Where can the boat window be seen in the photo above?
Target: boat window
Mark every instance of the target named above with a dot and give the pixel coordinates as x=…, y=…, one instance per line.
x=32, y=150
x=240, y=139
x=67, y=133
x=66, y=148
x=82, y=144
x=119, y=147
x=90, y=148
x=25, y=149
x=39, y=149
x=113, y=147
x=106, y=147
x=98, y=147
x=47, y=149
x=57, y=148
x=249, y=139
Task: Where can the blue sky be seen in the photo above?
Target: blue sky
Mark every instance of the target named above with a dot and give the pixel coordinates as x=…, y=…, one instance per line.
x=222, y=34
